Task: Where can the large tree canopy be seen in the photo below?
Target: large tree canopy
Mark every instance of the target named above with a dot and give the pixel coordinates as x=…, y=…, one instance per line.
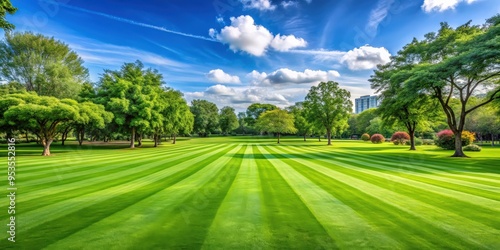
x=130, y=94
x=254, y=110
x=276, y=121
x=6, y=7
x=206, y=117
x=41, y=115
x=41, y=64
x=455, y=63
x=330, y=106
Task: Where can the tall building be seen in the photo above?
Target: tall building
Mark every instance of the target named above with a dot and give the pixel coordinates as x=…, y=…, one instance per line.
x=366, y=102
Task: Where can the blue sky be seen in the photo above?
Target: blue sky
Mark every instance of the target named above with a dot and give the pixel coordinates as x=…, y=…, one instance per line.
x=237, y=52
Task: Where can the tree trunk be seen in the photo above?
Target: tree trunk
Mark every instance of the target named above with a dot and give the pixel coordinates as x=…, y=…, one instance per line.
x=492, y=140
x=80, y=136
x=46, y=146
x=329, y=135
x=132, y=139
x=64, y=136
x=319, y=137
x=27, y=138
x=305, y=136
x=458, y=146
x=155, y=138
x=412, y=140
x=175, y=138
x=278, y=138
x=139, y=139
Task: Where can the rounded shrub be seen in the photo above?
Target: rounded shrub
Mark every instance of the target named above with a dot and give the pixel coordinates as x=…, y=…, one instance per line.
x=400, y=138
x=472, y=147
x=365, y=137
x=377, y=138
x=446, y=139
x=428, y=141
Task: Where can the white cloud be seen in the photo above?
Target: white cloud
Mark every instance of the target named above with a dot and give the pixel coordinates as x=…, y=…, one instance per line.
x=366, y=57
x=219, y=76
x=378, y=14
x=287, y=76
x=285, y=43
x=442, y=5
x=245, y=35
x=287, y=4
x=262, y=5
x=220, y=90
x=220, y=19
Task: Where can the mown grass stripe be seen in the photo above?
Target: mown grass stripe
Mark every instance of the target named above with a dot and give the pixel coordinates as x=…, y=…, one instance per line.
x=91, y=159
x=340, y=221
x=284, y=213
x=109, y=168
x=51, y=212
x=401, y=226
x=149, y=227
x=411, y=164
x=456, y=191
x=239, y=223
x=471, y=232
x=85, y=186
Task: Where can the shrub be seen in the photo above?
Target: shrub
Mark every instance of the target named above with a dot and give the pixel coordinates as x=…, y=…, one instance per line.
x=377, y=138
x=365, y=137
x=446, y=139
x=400, y=138
x=428, y=142
x=472, y=147
x=418, y=142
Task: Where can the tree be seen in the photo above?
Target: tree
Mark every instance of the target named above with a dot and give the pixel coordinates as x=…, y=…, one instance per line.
x=41, y=64
x=276, y=121
x=328, y=105
x=228, y=120
x=242, y=124
x=401, y=105
x=130, y=94
x=363, y=120
x=41, y=115
x=456, y=63
x=178, y=117
x=254, y=111
x=206, y=117
x=303, y=126
x=92, y=117
x=6, y=7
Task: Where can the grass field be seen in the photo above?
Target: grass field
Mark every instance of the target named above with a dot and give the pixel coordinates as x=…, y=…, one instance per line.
x=250, y=193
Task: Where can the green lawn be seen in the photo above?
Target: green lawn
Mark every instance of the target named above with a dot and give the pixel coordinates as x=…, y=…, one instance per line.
x=251, y=193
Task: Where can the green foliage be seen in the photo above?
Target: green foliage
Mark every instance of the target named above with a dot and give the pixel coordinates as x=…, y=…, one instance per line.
x=276, y=121
x=427, y=142
x=365, y=137
x=472, y=147
x=228, y=120
x=377, y=138
x=362, y=120
x=41, y=64
x=329, y=106
x=41, y=115
x=6, y=7
x=132, y=95
x=458, y=62
x=418, y=142
x=255, y=110
x=206, y=117
x=303, y=126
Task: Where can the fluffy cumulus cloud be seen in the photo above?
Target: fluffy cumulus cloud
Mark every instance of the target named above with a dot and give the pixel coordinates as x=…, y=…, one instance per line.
x=442, y=5
x=244, y=35
x=220, y=90
x=262, y=5
x=219, y=76
x=285, y=43
x=365, y=57
x=287, y=76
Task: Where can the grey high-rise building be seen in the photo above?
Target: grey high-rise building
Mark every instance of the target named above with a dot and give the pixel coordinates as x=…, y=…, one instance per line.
x=365, y=102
